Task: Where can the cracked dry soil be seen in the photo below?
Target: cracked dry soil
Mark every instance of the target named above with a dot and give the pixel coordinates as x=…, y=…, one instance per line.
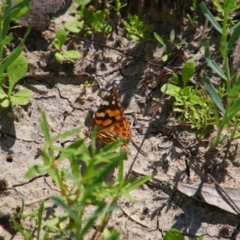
x=173, y=149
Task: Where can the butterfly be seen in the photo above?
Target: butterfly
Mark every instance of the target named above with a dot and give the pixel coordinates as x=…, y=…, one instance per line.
x=110, y=120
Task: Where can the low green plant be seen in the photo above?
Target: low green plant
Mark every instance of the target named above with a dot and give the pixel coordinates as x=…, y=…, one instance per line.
x=171, y=46
x=226, y=107
x=191, y=103
x=14, y=66
x=118, y=6
x=193, y=19
x=137, y=30
x=89, y=22
x=174, y=234
x=62, y=54
x=79, y=189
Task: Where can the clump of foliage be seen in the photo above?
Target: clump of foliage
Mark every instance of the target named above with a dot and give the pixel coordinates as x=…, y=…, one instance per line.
x=137, y=30
x=79, y=189
x=14, y=66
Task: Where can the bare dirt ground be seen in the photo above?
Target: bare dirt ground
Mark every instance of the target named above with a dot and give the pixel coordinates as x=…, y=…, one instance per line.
x=173, y=149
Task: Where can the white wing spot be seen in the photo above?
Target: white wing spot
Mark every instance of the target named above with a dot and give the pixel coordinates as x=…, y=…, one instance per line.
x=106, y=103
x=113, y=102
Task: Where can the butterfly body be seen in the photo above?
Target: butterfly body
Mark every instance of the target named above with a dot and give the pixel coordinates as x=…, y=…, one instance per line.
x=110, y=120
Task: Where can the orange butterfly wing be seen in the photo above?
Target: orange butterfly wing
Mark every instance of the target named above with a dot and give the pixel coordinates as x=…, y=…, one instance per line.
x=110, y=120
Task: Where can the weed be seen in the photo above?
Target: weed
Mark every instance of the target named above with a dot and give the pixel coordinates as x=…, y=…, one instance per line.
x=168, y=49
x=62, y=55
x=13, y=66
x=90, y=20
x=191, y=103
x=227, y=105
x=80, y=189
x=137, y=30
x=174, y=234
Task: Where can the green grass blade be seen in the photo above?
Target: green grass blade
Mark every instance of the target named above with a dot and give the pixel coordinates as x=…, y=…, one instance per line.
x=212, y=92
x=210, y=17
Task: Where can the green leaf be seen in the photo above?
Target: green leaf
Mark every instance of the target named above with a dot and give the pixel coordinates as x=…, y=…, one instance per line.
x=57, y=44
x=72, y=54
x=61, y=36
x=137, y=183
x=2, y=94
x=164, y=58
x=34, y=170
x=24, y=93
x=20, y=11
x=5, y=103
x=66, y=134
x=188, y=71
x=7, y=39
x=82, y=2
x=210, y=17
x=173, y=234
x=212, y=92
x=44, y=127
x=232, y=111
x=40, y=215
x=172, y=35
x=160, y=40
x=235, y=30
x=74, y=26
x=170, y=89
x=16, y=71
x=12, y=57
x=174, y=79
x=58, y=201
x=59, y=57
x=19, y=100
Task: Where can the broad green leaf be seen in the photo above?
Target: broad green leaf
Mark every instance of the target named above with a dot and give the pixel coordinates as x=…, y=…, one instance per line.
x=173, y=234
x=72, y=54
x=74, y=26
x=164, y=58
x=99, y=17
x=230, y=5
x=2, y=94
x=19, y=100
x=16, y=70
x=160, y=40
x=59, y=57
x=188, y=71
x=24, y=93
x=61, y=36
x=170, y=89
x=57, y=44
x=174, y=79
x=212, y=92
x=5, y=103
x=210, y=17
